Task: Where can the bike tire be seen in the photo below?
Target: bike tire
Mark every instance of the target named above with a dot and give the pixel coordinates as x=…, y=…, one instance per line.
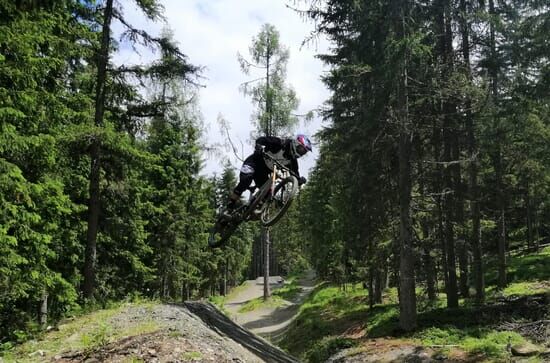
x=259, y=198
x=219, y=234
x=268, y=220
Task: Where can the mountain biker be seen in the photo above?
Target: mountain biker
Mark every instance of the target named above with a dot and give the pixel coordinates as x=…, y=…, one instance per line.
x=255, y=167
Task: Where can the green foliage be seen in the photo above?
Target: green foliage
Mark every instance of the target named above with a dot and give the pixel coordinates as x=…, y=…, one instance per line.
x=154, y=210
x=289, y=290
x=476, y=340
x=523, y=269
x=273, y=99
x=478, y=130
x=327, y=312
x=191, y=356
x=325, y=348
x=87, y=332
x=274, y=301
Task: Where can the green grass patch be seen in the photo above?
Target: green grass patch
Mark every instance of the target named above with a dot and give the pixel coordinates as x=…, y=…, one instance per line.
x=521, y=268
x=236, y=290
x=273, y=302
x=191, y=356
x=474, y=340
x=529, y=267
x=326, y=347
x=133, y=359
x=326, y=313
x=524, y=288
x=329, y=312
x=289, y=291
x=217, y=300
x=87, y=332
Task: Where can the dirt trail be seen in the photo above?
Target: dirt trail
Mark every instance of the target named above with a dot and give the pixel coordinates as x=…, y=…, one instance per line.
x=268, y=322
x=226, y=327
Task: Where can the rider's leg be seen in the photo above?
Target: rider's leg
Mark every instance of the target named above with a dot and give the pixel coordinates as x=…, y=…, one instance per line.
x=245, y=179
x=261, y=173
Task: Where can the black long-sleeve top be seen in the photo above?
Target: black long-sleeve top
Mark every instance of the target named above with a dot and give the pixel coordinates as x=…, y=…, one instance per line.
x=279, y=149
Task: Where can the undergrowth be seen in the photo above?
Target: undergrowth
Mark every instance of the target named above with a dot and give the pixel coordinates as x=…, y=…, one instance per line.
x=329, y=313
x=83, y=333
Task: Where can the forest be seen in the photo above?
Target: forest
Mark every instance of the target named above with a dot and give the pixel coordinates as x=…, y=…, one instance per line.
x=433, y=168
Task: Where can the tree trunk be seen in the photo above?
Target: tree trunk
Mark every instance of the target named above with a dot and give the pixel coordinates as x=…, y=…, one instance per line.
x=43, y=318
x=462, y=247
x=95, y=156
x=438, y=186
x=529, y=217
x=225, y=276
x=407, y=293
x=497, y=159
x=371, y=286
x=184, y=291
x=475, y=237
x=430, y=275
x=265, y=235
x=448, y=111
x=426, y=241
x=451, y=288
x=463, y=266
x=378, y=285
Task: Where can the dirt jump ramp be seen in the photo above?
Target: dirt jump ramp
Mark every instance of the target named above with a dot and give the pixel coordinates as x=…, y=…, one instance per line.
x=220, y=323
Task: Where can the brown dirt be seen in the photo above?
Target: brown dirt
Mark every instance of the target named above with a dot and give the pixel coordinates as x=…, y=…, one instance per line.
x=181, y=337
x=268, y=322
x=160, y=346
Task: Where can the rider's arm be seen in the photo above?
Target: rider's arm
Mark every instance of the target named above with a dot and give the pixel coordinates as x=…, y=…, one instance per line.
x=294, y=167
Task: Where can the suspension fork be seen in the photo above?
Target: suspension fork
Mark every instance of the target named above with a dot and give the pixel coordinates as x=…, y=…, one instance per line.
x=273, y=178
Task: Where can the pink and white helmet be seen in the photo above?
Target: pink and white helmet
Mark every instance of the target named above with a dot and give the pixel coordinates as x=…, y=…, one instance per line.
x=300, y=145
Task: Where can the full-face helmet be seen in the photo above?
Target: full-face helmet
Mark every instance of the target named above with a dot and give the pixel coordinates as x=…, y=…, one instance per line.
x=300, y=145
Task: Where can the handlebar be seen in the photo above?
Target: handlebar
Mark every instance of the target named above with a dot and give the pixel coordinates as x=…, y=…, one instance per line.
x=275, y=161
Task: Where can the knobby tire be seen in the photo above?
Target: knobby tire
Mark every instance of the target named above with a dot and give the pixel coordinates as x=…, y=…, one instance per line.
x=226, y=231
x=267, y=220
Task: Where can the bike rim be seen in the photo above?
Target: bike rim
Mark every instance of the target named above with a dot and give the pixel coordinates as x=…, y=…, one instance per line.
x=279, y=203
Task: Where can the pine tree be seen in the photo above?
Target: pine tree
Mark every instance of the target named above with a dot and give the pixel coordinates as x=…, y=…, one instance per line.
x=274, y=100
x=123, y=121
x=39, y=45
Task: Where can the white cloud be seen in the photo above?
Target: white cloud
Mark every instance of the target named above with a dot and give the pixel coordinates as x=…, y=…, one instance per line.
x=211, y=32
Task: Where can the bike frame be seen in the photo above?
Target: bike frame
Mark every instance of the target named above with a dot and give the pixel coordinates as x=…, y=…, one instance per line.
x=262, y=196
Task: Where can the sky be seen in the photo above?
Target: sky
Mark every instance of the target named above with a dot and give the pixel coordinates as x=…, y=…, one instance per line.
x=211, y=33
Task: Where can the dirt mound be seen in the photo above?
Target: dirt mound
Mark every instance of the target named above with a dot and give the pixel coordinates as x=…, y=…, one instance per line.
x=161, y=346
x=180, y=336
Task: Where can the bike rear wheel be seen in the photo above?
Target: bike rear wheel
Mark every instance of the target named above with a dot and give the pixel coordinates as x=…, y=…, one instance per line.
x=277, y=205
x=221, y=231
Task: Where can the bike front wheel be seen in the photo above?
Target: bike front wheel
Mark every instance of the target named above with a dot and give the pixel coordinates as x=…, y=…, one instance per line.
x=277, y=205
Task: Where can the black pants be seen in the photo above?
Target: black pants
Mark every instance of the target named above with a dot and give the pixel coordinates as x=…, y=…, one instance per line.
x=253, y=168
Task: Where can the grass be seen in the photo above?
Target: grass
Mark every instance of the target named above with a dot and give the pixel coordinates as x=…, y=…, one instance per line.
x=220, y=300
x=191, y=356
x=325, y=314
x=88, y=332
x=474, y=340
x=523, y=288
x=278, y=298
x=329, y=316
x=526, y=274
x=290, y=289
x=533, y=267
x=273, y=302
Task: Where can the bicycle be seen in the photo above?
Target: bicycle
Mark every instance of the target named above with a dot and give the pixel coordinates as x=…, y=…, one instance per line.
x=267, y=203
